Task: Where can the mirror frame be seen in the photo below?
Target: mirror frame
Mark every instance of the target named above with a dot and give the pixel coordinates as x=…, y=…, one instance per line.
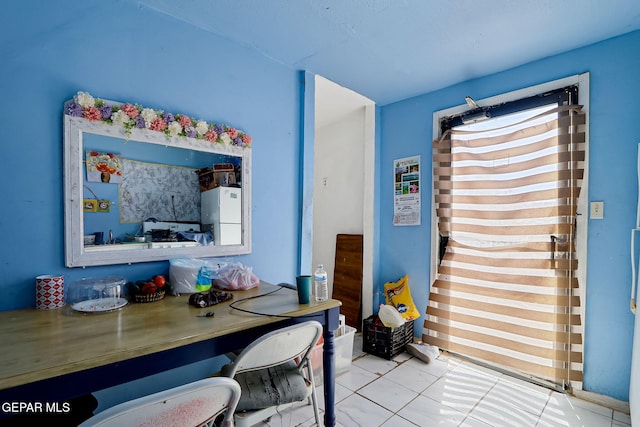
x=75, y=254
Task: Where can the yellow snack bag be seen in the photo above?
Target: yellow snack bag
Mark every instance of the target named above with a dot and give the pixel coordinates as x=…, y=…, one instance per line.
x=398, y=294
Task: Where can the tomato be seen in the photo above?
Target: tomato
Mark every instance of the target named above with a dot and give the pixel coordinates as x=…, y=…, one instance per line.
x=160, y=281
x=149, y=288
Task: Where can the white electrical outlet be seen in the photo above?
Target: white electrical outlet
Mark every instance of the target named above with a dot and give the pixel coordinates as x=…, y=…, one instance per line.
x=596, y=210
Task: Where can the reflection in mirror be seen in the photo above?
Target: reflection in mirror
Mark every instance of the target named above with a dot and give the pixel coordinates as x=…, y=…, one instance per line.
x=137, y=195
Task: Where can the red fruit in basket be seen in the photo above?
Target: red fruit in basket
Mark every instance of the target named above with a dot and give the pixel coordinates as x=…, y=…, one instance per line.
x=160, y=281
x=149, y=288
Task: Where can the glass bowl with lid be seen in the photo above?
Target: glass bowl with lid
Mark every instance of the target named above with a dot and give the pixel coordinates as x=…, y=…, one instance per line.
x=96, y=295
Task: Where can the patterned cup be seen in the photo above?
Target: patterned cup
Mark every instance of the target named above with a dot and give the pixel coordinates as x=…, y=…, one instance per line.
x=49, y=292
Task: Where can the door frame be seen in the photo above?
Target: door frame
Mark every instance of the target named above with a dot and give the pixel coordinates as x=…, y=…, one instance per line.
x=582, y=218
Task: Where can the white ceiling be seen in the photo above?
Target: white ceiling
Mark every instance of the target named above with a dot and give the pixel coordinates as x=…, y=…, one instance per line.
x=389, y=50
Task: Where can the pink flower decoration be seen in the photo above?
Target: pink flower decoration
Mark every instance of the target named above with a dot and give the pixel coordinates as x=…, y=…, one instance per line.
x=92, y=113
x=158, y=124
x=130, y=110
x=168, y=123
x=211, y=135
x=184, y=121
x=232, y=132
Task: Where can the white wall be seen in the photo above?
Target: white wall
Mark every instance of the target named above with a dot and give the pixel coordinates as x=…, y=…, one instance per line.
x=338, y=185
x=343, y=185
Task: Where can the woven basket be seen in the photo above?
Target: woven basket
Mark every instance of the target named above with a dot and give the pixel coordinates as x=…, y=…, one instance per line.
x=156, y=296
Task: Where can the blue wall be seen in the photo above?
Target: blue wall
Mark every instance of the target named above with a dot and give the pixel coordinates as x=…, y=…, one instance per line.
x=121, y=51
x=613, y=66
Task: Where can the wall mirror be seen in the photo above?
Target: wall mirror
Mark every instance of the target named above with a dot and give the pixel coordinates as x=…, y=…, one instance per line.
x=135, y=193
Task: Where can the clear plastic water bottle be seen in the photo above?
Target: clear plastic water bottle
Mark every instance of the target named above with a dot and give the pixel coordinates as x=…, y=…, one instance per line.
x=321, y=286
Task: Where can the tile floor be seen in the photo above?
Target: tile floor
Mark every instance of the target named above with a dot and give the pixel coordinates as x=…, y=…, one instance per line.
x=405, y=392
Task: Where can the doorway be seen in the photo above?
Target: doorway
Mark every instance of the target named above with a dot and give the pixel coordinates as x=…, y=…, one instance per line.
x=343, y=179
x=509, y=207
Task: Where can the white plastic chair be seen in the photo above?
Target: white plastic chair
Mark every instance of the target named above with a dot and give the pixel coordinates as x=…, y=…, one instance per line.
x=274, y=371
x=190, y=405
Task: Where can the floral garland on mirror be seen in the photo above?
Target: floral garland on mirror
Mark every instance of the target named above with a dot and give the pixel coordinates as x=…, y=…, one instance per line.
x=131, y=116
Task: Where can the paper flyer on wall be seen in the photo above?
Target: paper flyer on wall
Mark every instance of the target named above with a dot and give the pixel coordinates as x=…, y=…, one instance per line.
x=406, y=199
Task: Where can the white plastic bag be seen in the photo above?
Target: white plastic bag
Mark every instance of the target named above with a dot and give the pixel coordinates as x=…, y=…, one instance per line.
x=390, y=317
x=188, y=275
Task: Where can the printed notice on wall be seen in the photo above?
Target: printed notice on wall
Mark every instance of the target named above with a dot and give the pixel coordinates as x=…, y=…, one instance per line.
x=406, y=199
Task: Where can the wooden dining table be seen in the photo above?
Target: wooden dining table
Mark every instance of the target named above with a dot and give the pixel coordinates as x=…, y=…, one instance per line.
x=51, y=356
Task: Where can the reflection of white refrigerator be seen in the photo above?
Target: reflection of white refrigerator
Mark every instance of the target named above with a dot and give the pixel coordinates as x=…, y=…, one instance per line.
x=222, y=214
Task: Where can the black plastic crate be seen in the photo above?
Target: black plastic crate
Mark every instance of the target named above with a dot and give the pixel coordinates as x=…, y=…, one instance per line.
x=383, y=341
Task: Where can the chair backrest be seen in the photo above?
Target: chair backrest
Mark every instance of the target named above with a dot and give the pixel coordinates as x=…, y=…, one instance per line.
x=190, y=405
x=278, y=347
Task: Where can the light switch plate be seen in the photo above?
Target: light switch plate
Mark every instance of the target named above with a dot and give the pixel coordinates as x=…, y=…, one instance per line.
x=596, y=210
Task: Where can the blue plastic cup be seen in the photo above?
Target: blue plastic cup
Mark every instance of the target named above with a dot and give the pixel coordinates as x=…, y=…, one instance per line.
x=304, y=289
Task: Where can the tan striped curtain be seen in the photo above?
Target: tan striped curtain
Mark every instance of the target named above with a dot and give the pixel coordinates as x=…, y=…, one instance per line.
x=506, y=292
